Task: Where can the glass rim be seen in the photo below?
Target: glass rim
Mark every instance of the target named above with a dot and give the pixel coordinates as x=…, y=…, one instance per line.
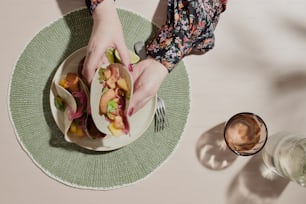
x=240, y=153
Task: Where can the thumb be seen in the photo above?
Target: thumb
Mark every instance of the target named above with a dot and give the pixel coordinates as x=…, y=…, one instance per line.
x=124, y=54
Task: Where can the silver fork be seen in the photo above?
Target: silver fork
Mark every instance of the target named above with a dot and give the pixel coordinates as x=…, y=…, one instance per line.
x=160, y=117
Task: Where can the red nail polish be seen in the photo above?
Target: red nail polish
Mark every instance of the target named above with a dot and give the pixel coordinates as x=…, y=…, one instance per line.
x=130, y=67
x=131, y=111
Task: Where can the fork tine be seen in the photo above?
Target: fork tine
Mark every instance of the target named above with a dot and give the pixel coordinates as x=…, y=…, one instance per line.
x=163, y=111
x=156, y=116
x=160, y=117
x=156, y=123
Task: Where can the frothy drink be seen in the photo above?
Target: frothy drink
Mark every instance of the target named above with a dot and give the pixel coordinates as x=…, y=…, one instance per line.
x=245, y=133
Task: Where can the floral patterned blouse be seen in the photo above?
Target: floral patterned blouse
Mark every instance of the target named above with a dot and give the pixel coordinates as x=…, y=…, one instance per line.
x=189, y=27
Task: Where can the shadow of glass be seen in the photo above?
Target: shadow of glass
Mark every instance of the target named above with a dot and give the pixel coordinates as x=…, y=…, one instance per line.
x=297, y=26
x=67, y=6
x=160, y=14
x=212, y=151
x=255, y=184
x=158, y=19
x=291, y=82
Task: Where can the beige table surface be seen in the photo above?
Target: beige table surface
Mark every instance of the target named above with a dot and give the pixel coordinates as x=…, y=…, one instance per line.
x=257, y=65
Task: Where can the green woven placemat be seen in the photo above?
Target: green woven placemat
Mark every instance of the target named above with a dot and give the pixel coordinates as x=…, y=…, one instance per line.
x=42, y=140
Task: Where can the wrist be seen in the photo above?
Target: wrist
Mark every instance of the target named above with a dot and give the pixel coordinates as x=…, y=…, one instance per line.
x=161, y=58
x=103, y=10
x=159, y=66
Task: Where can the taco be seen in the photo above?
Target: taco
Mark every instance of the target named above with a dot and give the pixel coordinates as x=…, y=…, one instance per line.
x=73, y=100
x=111, y=92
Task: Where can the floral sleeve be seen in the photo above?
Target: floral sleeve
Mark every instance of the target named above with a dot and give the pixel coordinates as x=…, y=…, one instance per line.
x=190, y=26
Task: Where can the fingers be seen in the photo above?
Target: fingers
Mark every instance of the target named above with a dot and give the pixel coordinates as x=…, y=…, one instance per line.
x=142, y=93
x=96, y=57
x=148, y=81
x=137, y=70
x=93, y=60
x=140, y=98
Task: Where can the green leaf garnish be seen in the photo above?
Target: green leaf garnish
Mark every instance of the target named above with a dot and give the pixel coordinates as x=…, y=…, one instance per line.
x=104, y=90
x=59, y=103
x=112, y=106
x=101, y=75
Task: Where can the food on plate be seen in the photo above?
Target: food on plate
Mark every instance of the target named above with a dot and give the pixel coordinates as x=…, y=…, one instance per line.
x=110, y=55
x=79, y=120
x=134, y=58
x=70, y=82
x=59, y=103
x=114, y=97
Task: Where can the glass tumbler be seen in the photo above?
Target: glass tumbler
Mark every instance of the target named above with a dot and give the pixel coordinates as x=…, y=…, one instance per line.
x=245, y=133
x=285, y=155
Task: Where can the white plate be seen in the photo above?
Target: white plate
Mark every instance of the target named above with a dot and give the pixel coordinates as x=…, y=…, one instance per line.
x=139, y=122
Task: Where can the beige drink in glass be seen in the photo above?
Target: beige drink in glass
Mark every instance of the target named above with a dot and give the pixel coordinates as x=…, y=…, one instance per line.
x=245, y=134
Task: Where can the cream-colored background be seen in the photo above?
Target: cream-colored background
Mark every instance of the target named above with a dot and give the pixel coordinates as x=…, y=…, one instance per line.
x=257, y=65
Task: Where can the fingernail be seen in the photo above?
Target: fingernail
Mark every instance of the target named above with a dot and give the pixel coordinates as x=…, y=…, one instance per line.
x=131, y=111
x=130, y=67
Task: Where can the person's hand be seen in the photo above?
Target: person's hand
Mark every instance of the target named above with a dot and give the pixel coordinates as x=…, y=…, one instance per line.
x=106, y=33
x=148, y=75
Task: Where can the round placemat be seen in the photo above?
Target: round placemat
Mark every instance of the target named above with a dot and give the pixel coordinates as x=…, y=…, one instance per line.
x=39, y=135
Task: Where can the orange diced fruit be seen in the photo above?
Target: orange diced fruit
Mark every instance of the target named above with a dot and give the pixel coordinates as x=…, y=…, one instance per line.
x=76, y=130
x=63, y=83
x=115, y=131
x=72, y=81
x=73, y=128
x=115, y=71
x=107, y=74
x=111, y=83
x=79, y=132
x=122, y=84
x=118, y=122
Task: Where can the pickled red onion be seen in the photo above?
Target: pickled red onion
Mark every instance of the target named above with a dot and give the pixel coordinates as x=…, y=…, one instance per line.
x=80, y=97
